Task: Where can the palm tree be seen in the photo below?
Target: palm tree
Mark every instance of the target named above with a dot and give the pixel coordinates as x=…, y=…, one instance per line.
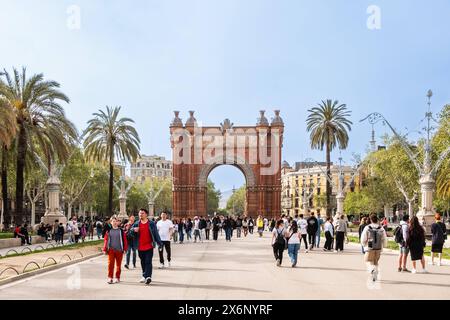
x=328, y=124
x=107, y=137
x=41, y=122
x=7, y=134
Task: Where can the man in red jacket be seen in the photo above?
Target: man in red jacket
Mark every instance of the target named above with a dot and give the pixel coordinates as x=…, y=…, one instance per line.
x=115, y=246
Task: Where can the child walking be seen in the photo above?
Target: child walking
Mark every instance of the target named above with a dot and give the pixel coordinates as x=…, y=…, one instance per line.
x=115, y=246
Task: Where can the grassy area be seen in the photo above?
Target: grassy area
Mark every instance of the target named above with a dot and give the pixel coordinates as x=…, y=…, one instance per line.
x=75, y=246
x=394, y=246
x=6, y=235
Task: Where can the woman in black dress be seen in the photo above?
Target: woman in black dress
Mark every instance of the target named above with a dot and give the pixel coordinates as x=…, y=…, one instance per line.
x=439, y=235
x=416, y=243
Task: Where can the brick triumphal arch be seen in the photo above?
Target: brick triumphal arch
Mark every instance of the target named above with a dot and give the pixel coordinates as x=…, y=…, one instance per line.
x=254, y=150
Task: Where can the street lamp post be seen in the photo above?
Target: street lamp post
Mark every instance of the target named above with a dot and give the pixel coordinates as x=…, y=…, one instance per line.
x=427, y=172
x=123, y=191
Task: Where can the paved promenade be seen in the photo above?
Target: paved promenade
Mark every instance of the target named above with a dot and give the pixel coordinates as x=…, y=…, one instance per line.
x=242, y=269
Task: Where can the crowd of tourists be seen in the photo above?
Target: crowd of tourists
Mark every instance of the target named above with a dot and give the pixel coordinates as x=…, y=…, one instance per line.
x=289, y=233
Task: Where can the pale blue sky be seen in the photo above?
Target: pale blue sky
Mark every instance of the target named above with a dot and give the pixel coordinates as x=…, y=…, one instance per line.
x=231, y=58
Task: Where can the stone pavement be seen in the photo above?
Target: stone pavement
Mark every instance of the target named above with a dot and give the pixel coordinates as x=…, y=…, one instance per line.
x=242, y=269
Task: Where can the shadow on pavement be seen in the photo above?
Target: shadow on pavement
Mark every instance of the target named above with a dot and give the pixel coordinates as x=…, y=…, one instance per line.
x=415, y=283
x=190, y=286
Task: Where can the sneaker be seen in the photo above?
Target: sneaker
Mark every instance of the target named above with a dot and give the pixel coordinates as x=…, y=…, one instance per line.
x=148, y=281
x=306, y=251
x=161, y=266
x=116, y=280
x=168, y=265
x=425, y=271
x=413, y=271
x=406, y=270
x=294, y=264
x=431, y=263
x=278, y=262
x=335, y=251
x=439, y=264
x=142, y=280
x=110, y=281
x=126, y=267
x=400, y=269
x=374, y=275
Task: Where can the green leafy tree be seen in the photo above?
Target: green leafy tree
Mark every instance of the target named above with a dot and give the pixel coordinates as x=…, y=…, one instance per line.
x=108, y=138
x=213, y=198
x=41, y=121
x=328, y=124
x=236, y=203
x=441, y=142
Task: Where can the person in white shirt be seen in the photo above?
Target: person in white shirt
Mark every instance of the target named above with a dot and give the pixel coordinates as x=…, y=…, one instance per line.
x=293, y=238
x=303, y=224
x=329, y=234
x=374, y=239
x=197, y=229
x=165, y=230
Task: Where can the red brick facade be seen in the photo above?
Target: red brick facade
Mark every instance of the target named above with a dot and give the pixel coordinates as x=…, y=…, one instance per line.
x=190, y=175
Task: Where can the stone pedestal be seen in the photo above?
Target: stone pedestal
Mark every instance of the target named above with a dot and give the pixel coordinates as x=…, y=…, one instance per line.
x=426, y=213
x=53, y=212
x=151, y=209
x=123, y=208
x=340, y=203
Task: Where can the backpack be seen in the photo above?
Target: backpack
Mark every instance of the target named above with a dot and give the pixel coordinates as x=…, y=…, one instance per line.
x=280, y=240
x=375, y=238
x=398, y=235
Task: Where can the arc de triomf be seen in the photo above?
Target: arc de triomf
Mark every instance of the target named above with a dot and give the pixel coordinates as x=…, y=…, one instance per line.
x=255, y=150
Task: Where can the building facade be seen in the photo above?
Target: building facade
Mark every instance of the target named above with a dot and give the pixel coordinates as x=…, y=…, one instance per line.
x=311, y=178
x=147, y=167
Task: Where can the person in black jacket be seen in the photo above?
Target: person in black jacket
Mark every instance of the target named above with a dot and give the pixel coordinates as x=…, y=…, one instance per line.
x=311, y=229
x=215, y=227
x=439, y=235
x=228, y=227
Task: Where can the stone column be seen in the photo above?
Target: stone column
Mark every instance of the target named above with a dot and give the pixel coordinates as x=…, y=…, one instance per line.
x=426, y=213
x=53, y=211
x=123, y=207
x=340, y=203
x=151, y=209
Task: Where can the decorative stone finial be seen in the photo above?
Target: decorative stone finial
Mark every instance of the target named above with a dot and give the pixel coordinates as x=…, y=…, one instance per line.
x=191, y=121
x=226, y=125
x=277, y=121
x=262, y=120
x=176, y=122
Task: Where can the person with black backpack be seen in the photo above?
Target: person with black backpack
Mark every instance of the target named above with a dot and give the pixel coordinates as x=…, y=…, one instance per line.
x=401, y=237
x=279, y=242
x=374, y=239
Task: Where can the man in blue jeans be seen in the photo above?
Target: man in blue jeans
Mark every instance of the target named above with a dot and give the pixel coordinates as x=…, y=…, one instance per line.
x=148, y=239
x=132, y=243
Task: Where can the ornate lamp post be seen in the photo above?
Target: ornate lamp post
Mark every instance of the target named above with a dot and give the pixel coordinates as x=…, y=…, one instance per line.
x=427, y=172
x=123, y=191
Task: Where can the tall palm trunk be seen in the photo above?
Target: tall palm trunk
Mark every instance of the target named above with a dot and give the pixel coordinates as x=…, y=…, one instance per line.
x=5, y=185
x=111, y=180
x=329, y=191
x=21, y=153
